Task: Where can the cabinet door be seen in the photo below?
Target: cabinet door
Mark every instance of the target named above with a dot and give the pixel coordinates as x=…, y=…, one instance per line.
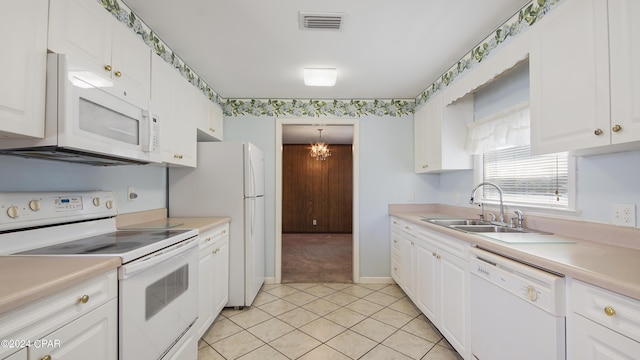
x=426, y=280
x=206, y=274
x=184, y=138
x=591, y=341
x=81, y=30
x=569, y=78
x=624, y=47
x=23, y=35
x=216, y=120
x=396, y=258
x=453, y=290
x=92, y=336
x=428, y=136
x=131, y=66
x=220, y=275
x=407, y=273
x=20, y=355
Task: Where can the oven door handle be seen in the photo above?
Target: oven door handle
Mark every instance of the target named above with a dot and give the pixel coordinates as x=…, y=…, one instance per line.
x=150, y=260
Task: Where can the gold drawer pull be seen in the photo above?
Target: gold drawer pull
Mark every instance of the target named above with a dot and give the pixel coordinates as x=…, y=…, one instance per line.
x=107, y=67
x=438, y=257
x=84, y=299
x=118, y=74
x=216, y=250
x=616, y=128
x=433, y=253
x=609, y=311
x=212, y=129
x=598, y=132
x=46, y=357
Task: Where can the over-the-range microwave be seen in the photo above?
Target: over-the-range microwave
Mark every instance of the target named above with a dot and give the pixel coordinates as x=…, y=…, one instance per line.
x=86, y=123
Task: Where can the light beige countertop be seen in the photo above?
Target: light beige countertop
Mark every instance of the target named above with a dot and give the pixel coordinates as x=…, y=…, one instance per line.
x=610, y=266
x=157, y=219
x=24, y=279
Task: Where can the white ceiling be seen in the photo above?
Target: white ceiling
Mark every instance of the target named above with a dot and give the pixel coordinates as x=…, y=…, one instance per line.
x=307, y=134
x=386, y=50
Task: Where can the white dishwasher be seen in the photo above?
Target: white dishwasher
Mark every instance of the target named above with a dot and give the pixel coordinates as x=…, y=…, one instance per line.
x=517, y=311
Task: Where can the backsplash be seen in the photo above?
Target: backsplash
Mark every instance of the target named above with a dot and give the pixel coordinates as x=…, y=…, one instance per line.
x=527, y=16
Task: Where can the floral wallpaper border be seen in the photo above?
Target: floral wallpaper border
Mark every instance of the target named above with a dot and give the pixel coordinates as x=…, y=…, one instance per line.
x=527, y=16
x=518, y=23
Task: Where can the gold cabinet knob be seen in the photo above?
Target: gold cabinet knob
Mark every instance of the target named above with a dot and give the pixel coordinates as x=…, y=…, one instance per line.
x=609, y=311
x=425, y=166
x=616, y=128
x=107, y=67
x=84, y=299
x=433, y=253
x=598, y=132
x=438, y=257
x=212, y=129
x=117, y=73
x=177, y=156
x=412, y=243
x=46, y=357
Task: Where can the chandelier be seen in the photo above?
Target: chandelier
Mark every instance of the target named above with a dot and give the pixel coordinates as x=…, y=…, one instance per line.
x=319, y=150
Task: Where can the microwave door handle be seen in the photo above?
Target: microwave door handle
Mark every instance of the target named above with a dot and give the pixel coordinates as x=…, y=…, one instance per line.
x=129, y=270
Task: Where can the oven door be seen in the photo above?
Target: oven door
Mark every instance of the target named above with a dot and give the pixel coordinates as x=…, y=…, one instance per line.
x=158, y=300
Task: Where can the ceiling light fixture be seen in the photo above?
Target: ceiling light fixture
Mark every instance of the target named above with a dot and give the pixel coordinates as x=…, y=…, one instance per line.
x=319, y=150
x=320, y=76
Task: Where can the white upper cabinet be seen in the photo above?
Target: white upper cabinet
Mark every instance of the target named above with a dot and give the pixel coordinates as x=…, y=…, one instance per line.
x=23, y=38
x=95, y=41
x=209, y=118
x=440, y=133
x=172, y=102
x=575, y=102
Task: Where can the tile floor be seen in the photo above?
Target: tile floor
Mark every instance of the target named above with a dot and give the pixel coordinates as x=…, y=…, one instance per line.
x=325, y=322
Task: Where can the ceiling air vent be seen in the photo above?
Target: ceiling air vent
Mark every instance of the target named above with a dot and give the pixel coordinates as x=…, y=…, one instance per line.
x=320, y=21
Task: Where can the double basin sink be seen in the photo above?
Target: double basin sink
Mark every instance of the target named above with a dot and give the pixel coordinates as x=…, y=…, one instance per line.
x=477, y=226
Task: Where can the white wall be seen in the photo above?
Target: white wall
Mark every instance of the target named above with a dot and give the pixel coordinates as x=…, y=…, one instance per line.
x=19, y=174
x=386, y=177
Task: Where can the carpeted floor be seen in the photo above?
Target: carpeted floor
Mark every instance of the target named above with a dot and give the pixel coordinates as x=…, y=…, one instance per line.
x=312, y=258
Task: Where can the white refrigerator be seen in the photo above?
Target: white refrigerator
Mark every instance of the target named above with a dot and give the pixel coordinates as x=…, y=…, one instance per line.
x=228, y=181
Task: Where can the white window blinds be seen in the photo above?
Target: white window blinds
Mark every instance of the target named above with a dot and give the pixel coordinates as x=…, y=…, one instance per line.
x=531, y=180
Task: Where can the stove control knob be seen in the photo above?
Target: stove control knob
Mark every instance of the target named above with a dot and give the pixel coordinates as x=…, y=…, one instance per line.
x=34, y=205
x=13, y=212
x=96, y=201
x=109, y=204
x=532, y=293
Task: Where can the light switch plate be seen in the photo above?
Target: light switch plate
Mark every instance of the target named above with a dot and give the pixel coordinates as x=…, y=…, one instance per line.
x=623, y=214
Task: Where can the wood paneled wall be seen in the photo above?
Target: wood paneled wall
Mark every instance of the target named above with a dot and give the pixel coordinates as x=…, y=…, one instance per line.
x=315, y=189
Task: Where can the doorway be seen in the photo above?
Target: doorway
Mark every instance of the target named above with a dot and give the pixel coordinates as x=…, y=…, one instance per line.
x=312, y=230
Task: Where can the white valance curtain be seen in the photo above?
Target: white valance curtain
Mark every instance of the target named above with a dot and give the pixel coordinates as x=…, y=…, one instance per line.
x=508, y=128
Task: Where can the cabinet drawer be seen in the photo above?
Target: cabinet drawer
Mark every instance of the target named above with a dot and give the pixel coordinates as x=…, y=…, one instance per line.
x=395, y=269
x=409, y=229
x=396, y=225
x=209, y=237
x=452, y=245
x=617, y=312
x=38, y=318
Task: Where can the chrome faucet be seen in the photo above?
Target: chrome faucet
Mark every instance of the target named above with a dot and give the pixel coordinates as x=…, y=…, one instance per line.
x=519, y=219
x=473, y=194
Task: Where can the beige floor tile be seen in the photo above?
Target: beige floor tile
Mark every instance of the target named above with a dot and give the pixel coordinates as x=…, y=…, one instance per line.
x=323, y=352
x=444, y=343
x=382, y=352
x=352, y=344
x=340, y=298
x=374, y=329
x=364, y=307
x=271, y=329
x=374, y=287
x=237, y=345
x=345, y=317
x=283, y=291
x=393, y=290
x=230, y=312
x=408, y=344
x=337, y=286
x=322, y=329
x=267, y=287
x=405, y=306
x=263, y=298
x=250, y=318
x=220, y=330
x=392, y=317
x=298, y=317
x=207, y=353
x=321, y=307
x=300, y=298
x=320, y=290
x=301, y=286
x=264, y=352
x=277, y=307
x=423, y=329
x=357, y=291
x=202, y=343
x=441, y=353
x=295, y=344
x=381, y=299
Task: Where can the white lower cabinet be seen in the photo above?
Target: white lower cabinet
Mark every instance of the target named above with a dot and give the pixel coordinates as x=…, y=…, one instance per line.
x=213, y=277
x=603, y=324
x=77, y=323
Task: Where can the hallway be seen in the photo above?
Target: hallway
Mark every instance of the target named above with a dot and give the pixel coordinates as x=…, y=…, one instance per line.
x=309, y=257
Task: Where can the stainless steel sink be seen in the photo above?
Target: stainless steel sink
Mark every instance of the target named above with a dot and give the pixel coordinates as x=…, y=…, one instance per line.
x=487, y=229
x=455, y=222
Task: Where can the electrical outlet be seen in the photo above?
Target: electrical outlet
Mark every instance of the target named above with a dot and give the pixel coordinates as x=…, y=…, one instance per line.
x=131, y=193
x=315, y=222
x=411, y=196
x=624, y=214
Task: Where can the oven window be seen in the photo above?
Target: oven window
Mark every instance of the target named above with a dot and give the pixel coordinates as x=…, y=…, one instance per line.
x=107, y=123
x=162, y=292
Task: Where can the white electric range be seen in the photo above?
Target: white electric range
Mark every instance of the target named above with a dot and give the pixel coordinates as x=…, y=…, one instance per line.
x=157, y=282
